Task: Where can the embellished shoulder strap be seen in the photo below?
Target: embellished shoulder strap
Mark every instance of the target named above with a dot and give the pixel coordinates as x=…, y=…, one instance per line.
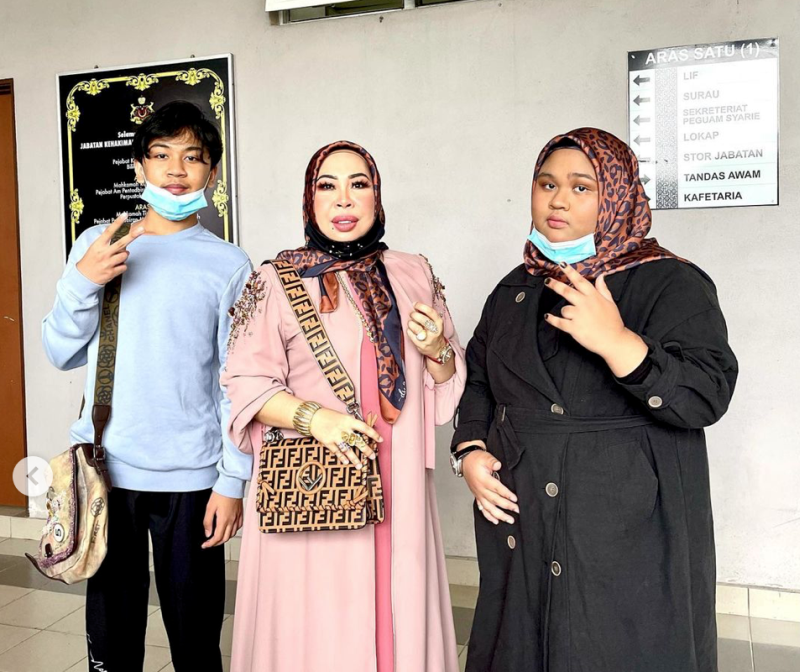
x=317, y=338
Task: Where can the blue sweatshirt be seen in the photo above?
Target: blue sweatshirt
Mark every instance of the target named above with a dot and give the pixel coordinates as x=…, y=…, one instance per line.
x=168, y=410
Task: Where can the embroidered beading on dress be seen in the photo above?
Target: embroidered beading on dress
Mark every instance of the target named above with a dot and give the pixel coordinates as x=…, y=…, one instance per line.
x=246, y=307
x=437, y=287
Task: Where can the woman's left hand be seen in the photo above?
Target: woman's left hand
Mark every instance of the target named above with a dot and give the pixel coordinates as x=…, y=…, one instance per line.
x=426, y=321
x=592, y=317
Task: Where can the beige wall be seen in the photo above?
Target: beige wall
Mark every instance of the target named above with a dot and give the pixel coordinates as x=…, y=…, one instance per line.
x=454, y=102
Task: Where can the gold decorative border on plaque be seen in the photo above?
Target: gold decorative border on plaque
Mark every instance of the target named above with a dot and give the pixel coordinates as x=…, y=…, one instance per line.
x=142, y=82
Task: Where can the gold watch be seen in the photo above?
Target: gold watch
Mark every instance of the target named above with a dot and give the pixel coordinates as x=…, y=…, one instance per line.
x=445, y=354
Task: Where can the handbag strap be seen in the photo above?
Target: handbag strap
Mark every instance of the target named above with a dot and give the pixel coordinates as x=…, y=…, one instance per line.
x=317, y=338
x=107, y=351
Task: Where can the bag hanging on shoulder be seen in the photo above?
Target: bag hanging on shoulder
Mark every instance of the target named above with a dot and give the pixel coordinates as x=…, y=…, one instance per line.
x=75, y=537
x=302, y=486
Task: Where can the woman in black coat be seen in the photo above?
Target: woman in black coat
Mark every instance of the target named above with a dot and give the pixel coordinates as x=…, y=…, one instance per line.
x=590, y=383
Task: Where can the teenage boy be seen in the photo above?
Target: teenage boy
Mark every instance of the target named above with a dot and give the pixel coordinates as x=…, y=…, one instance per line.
x=176, y=477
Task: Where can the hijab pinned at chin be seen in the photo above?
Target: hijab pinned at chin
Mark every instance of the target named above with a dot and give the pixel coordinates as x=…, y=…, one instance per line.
x=362, y=261
x=343, y=250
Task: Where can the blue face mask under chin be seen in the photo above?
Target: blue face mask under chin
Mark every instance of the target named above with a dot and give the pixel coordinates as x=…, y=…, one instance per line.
x=570, y=251
x=172, y=207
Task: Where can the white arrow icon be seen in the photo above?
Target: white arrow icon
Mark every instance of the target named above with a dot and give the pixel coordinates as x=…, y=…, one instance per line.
x=32, y=476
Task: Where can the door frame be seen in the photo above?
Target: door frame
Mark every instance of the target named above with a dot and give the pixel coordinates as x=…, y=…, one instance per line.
x=7, y=88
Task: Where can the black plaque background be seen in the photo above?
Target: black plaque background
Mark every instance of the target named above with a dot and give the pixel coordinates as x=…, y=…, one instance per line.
x=100, y=109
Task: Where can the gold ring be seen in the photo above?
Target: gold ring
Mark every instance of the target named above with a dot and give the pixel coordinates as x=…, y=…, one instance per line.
x=354, y=440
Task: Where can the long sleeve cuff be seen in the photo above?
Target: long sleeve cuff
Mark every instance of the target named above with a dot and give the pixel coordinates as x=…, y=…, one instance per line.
x=78, y=286
x=229, y=486
x=639, y=374
x=655, y=388
x=473, y=430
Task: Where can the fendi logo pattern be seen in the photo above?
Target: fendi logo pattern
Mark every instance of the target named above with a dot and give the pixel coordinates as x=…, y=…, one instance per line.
x=314, y=332
x=337, y=499
x=302, y=486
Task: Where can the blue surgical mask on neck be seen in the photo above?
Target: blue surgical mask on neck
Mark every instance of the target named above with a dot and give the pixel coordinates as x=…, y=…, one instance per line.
x=570, y=251
x=172, y=207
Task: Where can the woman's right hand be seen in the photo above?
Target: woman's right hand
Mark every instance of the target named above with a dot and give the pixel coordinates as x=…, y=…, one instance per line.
x=331, y=428
x=491, y=495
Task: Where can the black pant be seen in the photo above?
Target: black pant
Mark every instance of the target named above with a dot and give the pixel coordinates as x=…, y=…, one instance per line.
x=190, y=583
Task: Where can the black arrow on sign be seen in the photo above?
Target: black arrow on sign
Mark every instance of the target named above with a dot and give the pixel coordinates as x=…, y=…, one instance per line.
x=639, y=140
x=639, y=120
x=645, y=179
x=639, y=79
x=639, y=100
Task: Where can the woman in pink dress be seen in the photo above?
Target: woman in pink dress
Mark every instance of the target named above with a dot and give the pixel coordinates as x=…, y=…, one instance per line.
x=374, y=599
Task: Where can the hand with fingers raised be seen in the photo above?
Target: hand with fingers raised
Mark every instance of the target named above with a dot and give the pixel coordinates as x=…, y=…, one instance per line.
x=344, y=434
x=105, y=260
x=493, y=498
x=593, y=319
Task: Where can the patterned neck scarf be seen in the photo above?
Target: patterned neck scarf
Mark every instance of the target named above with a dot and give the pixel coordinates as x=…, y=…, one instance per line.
x=623, y=218
x=362, y=260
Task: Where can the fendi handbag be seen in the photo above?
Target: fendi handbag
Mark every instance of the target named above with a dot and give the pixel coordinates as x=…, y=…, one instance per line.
x=302, y=486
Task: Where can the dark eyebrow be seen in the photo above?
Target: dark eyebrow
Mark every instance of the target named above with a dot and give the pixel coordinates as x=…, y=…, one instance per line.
x=193, y=148
x=584, y=175
x=331, y=177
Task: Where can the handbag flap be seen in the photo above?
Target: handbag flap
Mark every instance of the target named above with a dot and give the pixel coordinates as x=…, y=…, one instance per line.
x=60, y=532
x=302, y=475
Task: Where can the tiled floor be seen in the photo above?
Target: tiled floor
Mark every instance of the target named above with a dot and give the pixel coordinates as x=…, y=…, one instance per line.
x=42, y=625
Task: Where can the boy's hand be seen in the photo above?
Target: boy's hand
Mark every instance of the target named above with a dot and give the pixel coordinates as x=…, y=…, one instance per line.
x=229, y=518
x=104, y=261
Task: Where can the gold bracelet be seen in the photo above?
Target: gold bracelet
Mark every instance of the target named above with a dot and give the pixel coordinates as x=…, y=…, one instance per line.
x=302, y=417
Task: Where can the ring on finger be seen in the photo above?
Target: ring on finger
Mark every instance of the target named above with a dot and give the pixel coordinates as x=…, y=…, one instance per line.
x=349, y=439
x=422, y=335
x=344, y=447
x=430, y=325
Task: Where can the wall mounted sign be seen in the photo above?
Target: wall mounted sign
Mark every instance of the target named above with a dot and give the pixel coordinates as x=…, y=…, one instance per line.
x=99, y=112
x=703, y=121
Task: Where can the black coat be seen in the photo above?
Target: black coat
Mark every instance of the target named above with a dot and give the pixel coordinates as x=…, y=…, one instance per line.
x=610, y=566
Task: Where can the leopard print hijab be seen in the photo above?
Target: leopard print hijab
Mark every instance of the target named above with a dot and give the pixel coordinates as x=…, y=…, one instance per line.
x=624, y=217
x=362, y=260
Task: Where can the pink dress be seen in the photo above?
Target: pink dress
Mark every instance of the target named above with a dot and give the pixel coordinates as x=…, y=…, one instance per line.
x=337, y=601
x=370, y=398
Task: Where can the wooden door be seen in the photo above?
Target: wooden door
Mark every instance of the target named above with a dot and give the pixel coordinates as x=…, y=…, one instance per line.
x=12, y=381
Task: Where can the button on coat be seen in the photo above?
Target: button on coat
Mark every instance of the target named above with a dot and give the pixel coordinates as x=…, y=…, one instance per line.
x=614, y=565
